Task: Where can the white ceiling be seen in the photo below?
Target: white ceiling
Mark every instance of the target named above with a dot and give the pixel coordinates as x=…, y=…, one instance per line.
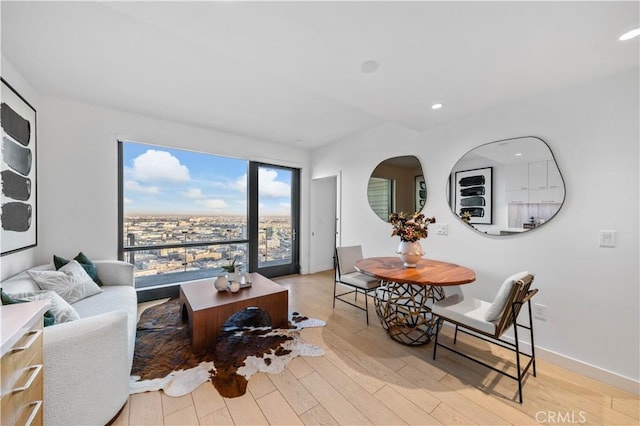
x=290, y=71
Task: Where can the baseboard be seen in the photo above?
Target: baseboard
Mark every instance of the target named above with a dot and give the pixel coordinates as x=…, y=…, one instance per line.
x=581, y=367
x=589, y=370
x=320, y=268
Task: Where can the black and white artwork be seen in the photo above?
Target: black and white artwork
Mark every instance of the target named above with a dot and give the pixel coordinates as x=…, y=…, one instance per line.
x=473, y=195
x=421, y=193
x=18, y=199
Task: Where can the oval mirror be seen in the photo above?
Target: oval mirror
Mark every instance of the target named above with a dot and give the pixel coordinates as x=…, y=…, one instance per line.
x=397, y=185
x=507, y=187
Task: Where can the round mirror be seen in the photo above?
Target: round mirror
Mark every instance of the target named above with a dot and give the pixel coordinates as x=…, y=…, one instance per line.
x=507, y=187
x=397, y=185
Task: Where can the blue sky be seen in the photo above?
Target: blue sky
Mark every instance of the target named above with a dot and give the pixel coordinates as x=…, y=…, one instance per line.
x=171, y=181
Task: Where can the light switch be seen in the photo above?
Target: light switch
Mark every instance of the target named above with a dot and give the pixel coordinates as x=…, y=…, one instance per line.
x=607, y=238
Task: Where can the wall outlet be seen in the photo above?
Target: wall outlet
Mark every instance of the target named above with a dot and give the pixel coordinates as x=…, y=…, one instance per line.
x=442, y=229
x=540, y=311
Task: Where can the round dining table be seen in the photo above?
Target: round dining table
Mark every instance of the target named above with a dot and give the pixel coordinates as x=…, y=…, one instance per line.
x=403, y=301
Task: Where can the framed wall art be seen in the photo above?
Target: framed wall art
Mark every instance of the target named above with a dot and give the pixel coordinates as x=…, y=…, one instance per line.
x=473, y=195
x=19, y=156
x=421, y=193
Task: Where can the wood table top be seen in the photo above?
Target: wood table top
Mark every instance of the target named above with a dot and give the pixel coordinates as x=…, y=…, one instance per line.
x=426, y=272
x=203, y=295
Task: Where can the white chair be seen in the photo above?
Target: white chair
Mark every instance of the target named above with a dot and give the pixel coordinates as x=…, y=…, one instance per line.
x=346, y=273
x=489, y=320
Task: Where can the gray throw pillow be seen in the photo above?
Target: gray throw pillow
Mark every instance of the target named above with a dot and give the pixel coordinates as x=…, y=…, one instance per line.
x=71, y=282
x=61, y=310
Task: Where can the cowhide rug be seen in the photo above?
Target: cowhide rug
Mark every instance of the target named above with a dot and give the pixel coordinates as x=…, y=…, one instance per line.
x=163, y=358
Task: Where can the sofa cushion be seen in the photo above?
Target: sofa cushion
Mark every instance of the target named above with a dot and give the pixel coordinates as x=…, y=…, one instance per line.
x=497, y=306
x=61, y=310
x=71, y=282
x=84, y=261
x=22, y=282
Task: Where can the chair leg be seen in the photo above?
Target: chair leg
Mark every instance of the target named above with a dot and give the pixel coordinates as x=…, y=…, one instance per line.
x=435, y=343
x=533, y=346
x=519, y=371
x=455, y=335
x=335, y=284
x=366, y=306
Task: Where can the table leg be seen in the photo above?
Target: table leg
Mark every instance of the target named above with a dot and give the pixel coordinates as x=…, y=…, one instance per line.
x=404, y=311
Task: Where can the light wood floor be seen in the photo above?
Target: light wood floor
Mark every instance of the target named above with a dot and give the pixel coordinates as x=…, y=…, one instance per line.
x=366, y=378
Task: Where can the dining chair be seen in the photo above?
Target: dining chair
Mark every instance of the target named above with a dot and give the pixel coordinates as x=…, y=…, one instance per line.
x=490, y=320
x=346, y=274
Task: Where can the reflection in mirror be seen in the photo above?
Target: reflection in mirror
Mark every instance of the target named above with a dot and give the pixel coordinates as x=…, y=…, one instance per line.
x=397, y=185
x=507, y=187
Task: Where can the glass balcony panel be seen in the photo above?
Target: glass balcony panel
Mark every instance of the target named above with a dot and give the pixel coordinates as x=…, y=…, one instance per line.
x=170, y=265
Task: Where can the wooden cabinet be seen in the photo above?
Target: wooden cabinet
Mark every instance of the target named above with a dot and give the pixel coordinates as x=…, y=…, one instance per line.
x=535, y=183
x=538, y=175
x=553, y=195
x=516, y=177
x=545, y=183
x=517, y=197
x=554, y=179
x=21, y=365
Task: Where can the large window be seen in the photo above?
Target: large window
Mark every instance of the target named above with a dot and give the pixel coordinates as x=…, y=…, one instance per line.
x=184, y=215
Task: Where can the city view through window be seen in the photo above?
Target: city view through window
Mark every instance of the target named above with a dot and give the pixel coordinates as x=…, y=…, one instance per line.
x=186, y=213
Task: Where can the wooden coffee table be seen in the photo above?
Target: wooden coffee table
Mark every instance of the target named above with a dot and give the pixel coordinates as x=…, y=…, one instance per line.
x=207, y=309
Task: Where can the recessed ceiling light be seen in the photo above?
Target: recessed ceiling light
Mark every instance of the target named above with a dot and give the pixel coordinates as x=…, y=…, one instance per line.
x=519, y=154
x=369, y=67
x=436, y=106
x=630, y=34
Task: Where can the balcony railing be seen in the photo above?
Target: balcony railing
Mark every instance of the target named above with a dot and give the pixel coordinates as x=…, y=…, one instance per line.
x=158, y=265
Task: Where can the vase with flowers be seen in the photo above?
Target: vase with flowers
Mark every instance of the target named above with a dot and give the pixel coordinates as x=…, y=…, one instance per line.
x=411, y=228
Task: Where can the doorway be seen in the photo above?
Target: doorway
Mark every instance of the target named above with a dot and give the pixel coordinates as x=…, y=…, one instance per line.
x=274, y=219
x=325, y=222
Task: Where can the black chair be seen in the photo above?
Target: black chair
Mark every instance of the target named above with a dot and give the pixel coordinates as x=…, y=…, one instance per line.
x=346, y=274
x=488, y=321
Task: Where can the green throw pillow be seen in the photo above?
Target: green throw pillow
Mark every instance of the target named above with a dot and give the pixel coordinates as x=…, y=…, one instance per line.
x=49, y=319
x=84, y=261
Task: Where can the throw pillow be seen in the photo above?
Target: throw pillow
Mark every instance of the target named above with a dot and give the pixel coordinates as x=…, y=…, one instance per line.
x=84, y=261
x=7, y=299
x=61, y=310
x=497, y=306
x=71, y=282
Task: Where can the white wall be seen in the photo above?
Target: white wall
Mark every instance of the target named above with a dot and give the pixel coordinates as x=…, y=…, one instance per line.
x=77, y=174
x=591, y=293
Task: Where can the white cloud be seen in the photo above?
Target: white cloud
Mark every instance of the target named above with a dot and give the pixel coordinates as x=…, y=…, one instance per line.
x=128, y=200
x=132, y=185
x=156, y=165
x=193, y=193
x=240, y=184
x=214, y=205
x=269, y=187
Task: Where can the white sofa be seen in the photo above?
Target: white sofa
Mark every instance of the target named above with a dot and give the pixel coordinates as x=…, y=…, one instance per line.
x=87, y=362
